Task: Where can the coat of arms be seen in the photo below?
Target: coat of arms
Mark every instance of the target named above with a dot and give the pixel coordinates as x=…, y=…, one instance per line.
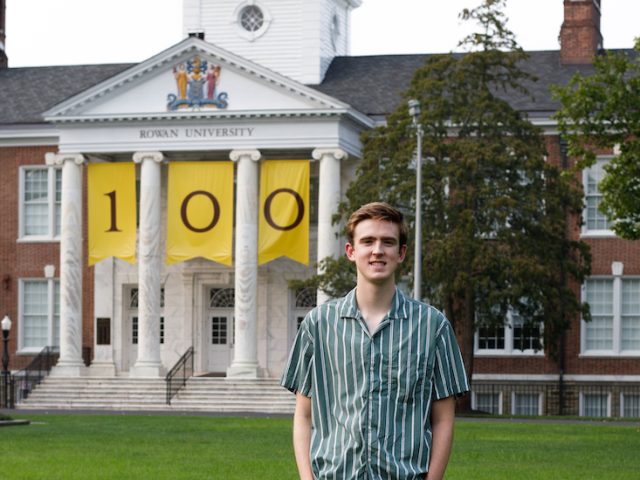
x=197, y=82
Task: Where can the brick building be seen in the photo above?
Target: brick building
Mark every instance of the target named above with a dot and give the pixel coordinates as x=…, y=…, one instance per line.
x=292, y=93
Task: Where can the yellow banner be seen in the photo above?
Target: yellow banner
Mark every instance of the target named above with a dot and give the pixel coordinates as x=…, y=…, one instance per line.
x=283, y=228
x=200, y=211
x=112, y=211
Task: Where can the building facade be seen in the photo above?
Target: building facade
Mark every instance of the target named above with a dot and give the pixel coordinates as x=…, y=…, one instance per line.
x=281, y=86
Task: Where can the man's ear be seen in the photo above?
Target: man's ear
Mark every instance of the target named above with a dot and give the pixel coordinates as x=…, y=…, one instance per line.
x=403, y=252
x=348, y=249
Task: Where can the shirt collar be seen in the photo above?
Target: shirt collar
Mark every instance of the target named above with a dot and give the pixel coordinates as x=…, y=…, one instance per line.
x=349, y=307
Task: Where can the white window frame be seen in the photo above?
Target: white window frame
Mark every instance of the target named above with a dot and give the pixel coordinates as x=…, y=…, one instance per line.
x=513, y=401
x=622, y=400
x=509, y=349
x=586, y=232
x=51, y=201
x=582, y=403
x=474, y=400
x=616, y=349
x=51, y=283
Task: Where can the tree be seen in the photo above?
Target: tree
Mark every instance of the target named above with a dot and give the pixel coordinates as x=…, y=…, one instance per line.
x=601, y=111
x=496, y=214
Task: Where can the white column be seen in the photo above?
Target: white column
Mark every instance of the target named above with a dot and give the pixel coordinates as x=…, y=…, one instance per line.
x=148, y=363
x=245, y=357
x=329, y=194
x=70, y=363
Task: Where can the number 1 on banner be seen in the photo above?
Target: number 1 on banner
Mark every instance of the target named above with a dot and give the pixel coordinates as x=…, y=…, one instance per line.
x=113, y=211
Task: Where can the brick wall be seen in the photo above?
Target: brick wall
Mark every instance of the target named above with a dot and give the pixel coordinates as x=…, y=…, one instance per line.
x=27, y=260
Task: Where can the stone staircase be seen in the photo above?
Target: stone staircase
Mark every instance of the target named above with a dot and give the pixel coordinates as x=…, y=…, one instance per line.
x=201, y=394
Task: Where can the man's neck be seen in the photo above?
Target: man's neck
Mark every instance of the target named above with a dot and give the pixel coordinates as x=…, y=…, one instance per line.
x=374, y=301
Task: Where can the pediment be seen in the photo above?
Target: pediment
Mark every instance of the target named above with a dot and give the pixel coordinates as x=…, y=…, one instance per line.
x=191, y=79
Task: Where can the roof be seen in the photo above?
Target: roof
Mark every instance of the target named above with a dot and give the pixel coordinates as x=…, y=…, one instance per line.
x=25, y=93
x=372, y=85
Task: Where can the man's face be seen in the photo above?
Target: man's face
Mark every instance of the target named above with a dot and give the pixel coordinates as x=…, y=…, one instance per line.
x=376, y=250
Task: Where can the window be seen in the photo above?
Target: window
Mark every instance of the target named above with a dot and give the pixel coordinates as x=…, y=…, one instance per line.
x=40, y=314
x=134, y=330
x=219, y=330
x=594, y=219
x=223, y=327
x=514, y=338
x=526, y=404
x=133, y=305
x=488, y=403
x=630, y=315
x=252, y=20
x=305, y=300
x=630, y=405
x=595, y=405
x=615, y=316
x=40, y=202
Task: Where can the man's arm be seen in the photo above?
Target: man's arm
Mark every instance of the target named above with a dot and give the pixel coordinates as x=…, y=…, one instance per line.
x=442, y=419
x=302, y=436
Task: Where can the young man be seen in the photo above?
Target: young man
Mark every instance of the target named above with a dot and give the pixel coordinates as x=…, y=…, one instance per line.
x=375, y=373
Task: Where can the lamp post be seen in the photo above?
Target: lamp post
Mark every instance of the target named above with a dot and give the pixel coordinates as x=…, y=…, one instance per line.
x=414, y=112
x=6, y=326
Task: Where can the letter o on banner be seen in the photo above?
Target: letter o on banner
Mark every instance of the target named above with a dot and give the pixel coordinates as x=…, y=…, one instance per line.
x=216, y=211
x=299, y=204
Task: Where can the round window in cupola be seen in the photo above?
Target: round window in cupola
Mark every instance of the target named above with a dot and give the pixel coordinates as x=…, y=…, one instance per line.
x=252, y=19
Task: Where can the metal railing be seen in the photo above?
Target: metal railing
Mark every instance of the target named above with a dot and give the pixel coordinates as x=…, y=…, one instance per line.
x=7, y=391
x=178, y=375
x=27, y=378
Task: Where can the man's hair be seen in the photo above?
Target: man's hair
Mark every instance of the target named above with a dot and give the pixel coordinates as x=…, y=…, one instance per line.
x=377, y=211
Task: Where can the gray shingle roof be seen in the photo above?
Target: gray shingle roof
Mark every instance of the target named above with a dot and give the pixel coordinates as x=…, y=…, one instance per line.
x=25, y=93
x=371, y=84
x=374, y=84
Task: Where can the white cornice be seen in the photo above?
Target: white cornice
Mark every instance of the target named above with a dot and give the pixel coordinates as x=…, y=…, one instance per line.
x=354, y=115
x=28, y=135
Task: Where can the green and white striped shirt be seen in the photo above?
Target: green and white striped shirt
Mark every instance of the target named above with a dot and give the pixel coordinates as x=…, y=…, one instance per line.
x=372, y=393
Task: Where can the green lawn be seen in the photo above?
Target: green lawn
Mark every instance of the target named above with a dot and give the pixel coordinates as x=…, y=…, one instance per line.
x=185, y=447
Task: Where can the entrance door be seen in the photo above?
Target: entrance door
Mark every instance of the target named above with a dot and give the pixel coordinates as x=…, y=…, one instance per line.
x=219, y=329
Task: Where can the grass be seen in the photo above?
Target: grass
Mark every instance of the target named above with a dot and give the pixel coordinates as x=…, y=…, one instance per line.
x=184, y=447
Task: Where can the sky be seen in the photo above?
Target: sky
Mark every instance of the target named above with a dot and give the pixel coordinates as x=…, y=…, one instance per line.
x=71, y=32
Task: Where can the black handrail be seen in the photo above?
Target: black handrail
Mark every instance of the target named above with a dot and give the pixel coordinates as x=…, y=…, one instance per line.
x=38, y=368
x=178, y=375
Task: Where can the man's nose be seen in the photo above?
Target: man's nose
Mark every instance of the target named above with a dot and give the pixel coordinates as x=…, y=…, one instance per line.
x=377, y=247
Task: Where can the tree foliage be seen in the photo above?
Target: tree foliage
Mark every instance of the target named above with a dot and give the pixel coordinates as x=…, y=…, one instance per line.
x=496, y=214
x=601, y=111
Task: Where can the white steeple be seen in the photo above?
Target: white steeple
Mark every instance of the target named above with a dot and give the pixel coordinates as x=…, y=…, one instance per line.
x=296, y=38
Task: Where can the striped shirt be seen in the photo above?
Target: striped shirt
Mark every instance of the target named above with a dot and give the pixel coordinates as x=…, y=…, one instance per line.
x=371, y=394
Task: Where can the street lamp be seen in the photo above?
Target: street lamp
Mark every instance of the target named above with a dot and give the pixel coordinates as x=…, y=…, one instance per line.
x=6, y=326
x=414, y=112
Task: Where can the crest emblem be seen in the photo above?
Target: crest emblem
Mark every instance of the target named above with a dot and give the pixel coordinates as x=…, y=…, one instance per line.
x=197, y=86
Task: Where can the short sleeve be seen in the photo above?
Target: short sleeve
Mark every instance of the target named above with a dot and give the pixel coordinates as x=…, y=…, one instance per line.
x=450, y=377
x=298, y=374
